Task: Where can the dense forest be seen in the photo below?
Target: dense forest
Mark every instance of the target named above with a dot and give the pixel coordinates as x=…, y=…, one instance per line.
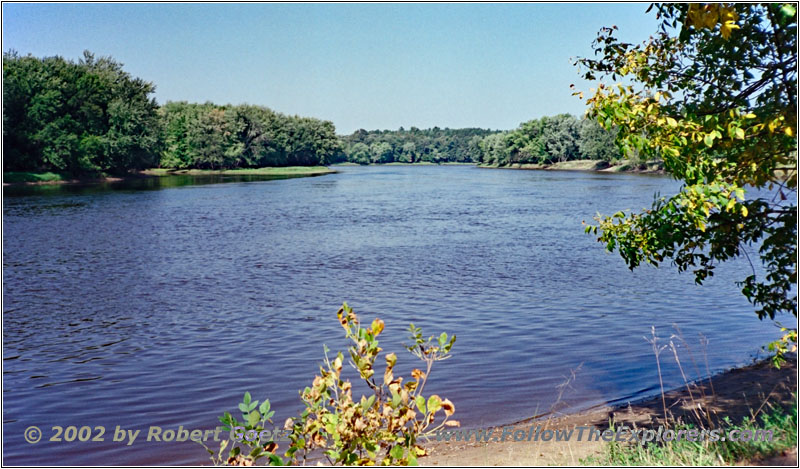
x=82, y=117
x=209, y=136
x=90, y=116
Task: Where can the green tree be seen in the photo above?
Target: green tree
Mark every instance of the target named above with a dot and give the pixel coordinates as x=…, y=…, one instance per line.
x=713, y=94
x=381, y=152
x=597, y=143
x=359, y=153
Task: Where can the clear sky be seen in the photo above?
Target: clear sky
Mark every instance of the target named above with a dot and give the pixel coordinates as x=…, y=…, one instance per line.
x=371, y=66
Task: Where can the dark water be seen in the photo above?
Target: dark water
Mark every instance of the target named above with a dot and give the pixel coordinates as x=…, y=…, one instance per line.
x=161, y=307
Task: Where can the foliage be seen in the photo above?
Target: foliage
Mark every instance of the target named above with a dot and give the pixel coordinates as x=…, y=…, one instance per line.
x=786, y=344
x=91, y=116
x=253, y=440
x=382, y=428
x=83, y=117
x=413, y=146
x=713, y=94
x=210, y=136
x=550, y=140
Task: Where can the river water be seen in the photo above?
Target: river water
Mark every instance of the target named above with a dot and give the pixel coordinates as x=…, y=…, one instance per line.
x=159, y=303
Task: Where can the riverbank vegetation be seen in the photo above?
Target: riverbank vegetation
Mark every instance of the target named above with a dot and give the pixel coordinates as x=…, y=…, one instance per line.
x=90, y=117
x=210, y=136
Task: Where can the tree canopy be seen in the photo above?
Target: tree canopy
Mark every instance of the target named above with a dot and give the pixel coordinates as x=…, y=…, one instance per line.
x=76, y=117
x=414, y=145
x=210, y=136
x=91, y=116
x=713, y=94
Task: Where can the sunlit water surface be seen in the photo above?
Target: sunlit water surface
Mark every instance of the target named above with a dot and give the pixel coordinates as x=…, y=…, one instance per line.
x=160, y=303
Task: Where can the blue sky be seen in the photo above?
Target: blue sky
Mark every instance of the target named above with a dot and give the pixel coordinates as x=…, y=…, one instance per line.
x=372, y=66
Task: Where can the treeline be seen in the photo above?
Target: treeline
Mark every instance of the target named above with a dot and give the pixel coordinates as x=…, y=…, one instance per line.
x=550, y=140
x=209, y=136
x=91, y=116
x=539, y=141
x=414, y=145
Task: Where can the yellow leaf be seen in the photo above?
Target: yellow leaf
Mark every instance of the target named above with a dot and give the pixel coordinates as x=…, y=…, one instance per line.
x=771, y=126
x=672, y=122
x=726, y=29
x=788, y=131
x=744, y=211
x=377, y=327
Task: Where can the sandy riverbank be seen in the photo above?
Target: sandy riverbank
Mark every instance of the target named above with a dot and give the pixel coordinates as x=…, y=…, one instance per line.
x=735, y=393
x=587, y=165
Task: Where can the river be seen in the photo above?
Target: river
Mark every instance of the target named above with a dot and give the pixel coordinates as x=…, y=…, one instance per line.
x=159, y=303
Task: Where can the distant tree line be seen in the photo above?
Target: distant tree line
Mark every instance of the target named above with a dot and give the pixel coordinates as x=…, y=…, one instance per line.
x=91, y=116
x=540, y=141
x=414, y=145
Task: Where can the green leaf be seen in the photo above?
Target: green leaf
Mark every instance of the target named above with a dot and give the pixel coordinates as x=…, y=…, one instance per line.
x=434, y=403
x=397, y=452
x=396, y=399
x=740, y=134
x=264, y=408
x=368, y=403
x=709, y=140
x=420, y=403
x=788, y=10
x=247, y=398
x=253, y=418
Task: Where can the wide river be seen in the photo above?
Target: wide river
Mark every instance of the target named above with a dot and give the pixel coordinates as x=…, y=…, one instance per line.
x=160, y=303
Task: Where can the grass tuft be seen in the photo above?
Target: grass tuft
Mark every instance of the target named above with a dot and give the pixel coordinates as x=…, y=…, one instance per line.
x=782, y=424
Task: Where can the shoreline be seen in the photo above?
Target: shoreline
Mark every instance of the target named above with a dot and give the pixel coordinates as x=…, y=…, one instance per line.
x=57, y=179
x=598, y=166
x=733, y=393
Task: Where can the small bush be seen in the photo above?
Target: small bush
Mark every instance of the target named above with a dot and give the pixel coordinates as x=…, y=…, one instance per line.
x=379, y=429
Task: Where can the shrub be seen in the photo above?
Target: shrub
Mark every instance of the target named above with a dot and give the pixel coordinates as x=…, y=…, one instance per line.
x=381, y=428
